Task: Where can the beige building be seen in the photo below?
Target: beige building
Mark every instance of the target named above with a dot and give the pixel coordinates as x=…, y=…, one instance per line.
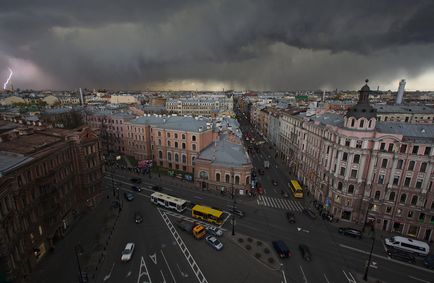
x=123, y=99
x=203, y=105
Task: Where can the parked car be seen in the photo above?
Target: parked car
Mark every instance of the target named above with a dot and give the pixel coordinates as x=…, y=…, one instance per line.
x=236, y=211
x=136, y=188
x=401, y=255
x=127, y=253
x=156, y=188
x=281, y=249
x=274, y=182
x=214, y=231
x=350, y=232
x=138, y=217
x=213, y=242
x=429, y=261
x=136, y=180
x=291, y=217
x=305, y=252
x=129, y=196
x=310, y=213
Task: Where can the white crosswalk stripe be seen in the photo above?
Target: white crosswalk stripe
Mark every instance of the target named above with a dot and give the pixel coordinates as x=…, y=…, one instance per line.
x=280, y=203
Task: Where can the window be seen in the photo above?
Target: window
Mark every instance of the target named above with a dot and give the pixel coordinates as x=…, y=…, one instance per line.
x=410, y=214
x=342, y=171
x=423, y=167
x=184, y=159
x=377, y=195
x=419, y=183
x=159, y=142
x=399, y=164
x=176, y=135
x=422, y=217
x=168, y=135
x=193, y=147
x=388, y=209
x=359, y=144
x=415, y=149
x=168, y=143
x=407, y=182
x=353, y=173
x=160, y=154
x=411, y=165
x=403, y=198
x=347, y=142
x=356, y=159
x=390, y=147
x=352, y=122
x=382, y=146
x=193, y=138
x=345, y=156
x=176, y=157
x=183, y=136
x=392, y=196
x=427, y=150
x=169, y=156
x=384, y=163
x=227, y=178
x=159, y=133
x=237, y=180
x=183, y=145
x=362, y=123
x=176, y=144
x=403, y=148
x=395, y=180
x=351, y=189
x=414, y=200
x=340, y=186
x=381, y=179
x=217, y=177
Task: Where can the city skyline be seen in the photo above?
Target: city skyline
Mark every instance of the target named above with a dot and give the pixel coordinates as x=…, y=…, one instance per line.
x=217, y=44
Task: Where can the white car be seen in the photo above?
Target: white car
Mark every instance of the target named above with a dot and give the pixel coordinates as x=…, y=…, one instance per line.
x=213, y=242
x=214, y=231
x=127, y=252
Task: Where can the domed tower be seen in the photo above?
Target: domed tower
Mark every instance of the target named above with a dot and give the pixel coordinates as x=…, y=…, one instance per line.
x=361, y=116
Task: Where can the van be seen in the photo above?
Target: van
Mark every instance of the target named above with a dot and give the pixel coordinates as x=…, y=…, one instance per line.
x=281, y=249
x=408, y=245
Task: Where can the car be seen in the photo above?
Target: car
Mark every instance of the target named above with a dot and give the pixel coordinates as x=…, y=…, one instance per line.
x=156, y=188
x=305, y=252
x=214, y=231
x=136, y=188
x=136, y=180
x=236, y=211
x=291, y=217
x=281, y=249
x=429, y=261
x=127, y=253
x=138, y=217
x=401, y=255
x=310, y=213
x=213, y=242
x=129, y=196
x=350, y=232
x=274, y=182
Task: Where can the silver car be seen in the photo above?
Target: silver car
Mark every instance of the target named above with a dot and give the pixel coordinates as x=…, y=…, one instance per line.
x=213, y=242
x=214, y=231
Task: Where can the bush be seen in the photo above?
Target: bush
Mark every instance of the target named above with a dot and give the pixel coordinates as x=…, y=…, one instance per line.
x=266, y=250
x=259, y=243
x=257, y=255
x=240, y=240
x=249, y=240
x=271, y=260
x=248, y=247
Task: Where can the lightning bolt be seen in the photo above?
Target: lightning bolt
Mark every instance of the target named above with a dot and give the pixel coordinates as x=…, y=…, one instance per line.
x=9, y=78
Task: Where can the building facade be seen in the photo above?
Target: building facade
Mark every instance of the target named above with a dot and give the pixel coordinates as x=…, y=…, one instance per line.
x=201, y=105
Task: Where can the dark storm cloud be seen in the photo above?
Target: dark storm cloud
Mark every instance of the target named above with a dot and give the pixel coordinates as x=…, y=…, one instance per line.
x=254, y=44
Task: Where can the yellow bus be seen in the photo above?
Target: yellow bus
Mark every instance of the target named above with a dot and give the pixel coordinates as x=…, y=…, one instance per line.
x=297, y=190
x=207, y=214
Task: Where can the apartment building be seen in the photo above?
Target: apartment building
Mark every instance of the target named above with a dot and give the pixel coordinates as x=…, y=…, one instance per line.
x=200, y=105
x=413, y=114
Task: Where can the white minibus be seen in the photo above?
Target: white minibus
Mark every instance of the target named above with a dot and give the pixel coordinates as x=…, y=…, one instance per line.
x=408, y=245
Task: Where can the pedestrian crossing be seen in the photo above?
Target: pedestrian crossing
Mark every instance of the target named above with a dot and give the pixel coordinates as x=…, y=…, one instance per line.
x=280, y=203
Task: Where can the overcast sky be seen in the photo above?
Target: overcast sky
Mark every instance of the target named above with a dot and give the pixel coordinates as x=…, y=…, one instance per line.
x=175, y=44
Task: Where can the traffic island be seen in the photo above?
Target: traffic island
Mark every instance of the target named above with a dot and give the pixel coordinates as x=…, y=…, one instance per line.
x=258, y=249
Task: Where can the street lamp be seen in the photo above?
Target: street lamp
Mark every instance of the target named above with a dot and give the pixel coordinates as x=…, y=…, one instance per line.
x=365, y=277
x=79, y=250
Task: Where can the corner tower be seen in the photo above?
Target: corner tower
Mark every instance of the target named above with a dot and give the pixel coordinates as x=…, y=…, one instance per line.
x=361, y=116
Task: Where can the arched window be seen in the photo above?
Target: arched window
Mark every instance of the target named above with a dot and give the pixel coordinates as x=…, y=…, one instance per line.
x=193, y=138
x=414, y=200
x=377, y=195
x=159, y=142
x=247, y=180
x=362, y=123
x=168, y=143
x=403, y=198
x=217, y=177
x=183, y=136
x=370, y=123
x=356, y=158
x=176, y=157
x=352, y=122
x=392, y=196
x=160, y=154
x=183, y=145
x=339, y=186
x=227, y=178
x=193, y=147
x=237, y=180
x=176, y=144
x=184, y=158
x=351, y=189
x=159, y=133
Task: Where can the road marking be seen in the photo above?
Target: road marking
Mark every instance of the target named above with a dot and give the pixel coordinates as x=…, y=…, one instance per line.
x=153, y=258
x=107, y=277
x=326, y=278
x=182, y=273
x=304, y=276
x=418, y=279
x=284, y=277
x=162, y=275
x=386, y=258
x=128, y=274
x=170, y=270
x=349, y=277
x=281, y=203
x=194, y=266
x=143, y=264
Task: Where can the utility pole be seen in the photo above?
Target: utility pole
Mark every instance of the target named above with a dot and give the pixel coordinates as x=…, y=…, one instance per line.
x=233, y=203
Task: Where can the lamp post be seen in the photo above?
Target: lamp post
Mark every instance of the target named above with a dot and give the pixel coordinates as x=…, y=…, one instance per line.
x=366, y=214
x=365, y=277
x=78, y=249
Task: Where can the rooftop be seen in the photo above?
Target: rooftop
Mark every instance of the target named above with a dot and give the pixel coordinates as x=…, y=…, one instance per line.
x=417, y=132
x=226, y=153
x=181, y=123
x=404, y=109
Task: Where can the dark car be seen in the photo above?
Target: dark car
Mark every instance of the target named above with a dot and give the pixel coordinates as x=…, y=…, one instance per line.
x=350, y=232
x=429, y=261
x=136, y=188
x=290, y=216
x=236, y=211
x=136, y=180
x=156, y=188
x=274, y=182
x=129, y=196
x=311, y=214
x=138, y=217
x=401, y=255
x=281, y=249
x=305, y=252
